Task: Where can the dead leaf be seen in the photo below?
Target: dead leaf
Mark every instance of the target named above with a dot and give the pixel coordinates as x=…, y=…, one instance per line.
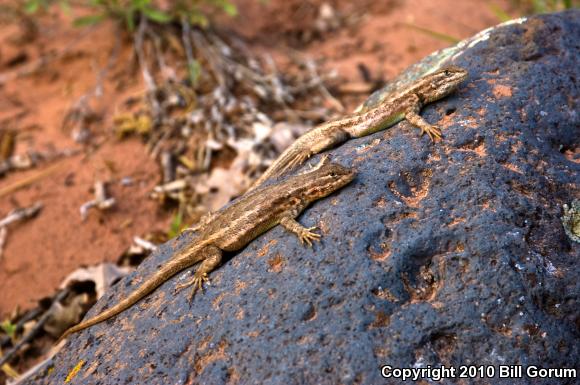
x=7, y=143
x=283, y=134
x=62, y=317
x=102, y=275
x=221, y=186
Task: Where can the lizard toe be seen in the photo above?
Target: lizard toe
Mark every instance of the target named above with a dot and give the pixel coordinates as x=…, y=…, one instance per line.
x=433, y=132
x=197, y=284
x=308, y=236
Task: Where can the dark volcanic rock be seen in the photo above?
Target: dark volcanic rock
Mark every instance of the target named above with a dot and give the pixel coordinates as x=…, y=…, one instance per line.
x=448, y=253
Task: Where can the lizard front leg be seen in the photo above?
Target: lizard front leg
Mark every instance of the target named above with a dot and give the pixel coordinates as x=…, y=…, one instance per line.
x=305, y=234
x=212, y=257
x=323, y=160
x=413, y=117
x=205, y=220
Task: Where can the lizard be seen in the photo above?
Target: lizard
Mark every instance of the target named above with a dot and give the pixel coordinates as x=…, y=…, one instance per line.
x=405, y=104
x=234, y=226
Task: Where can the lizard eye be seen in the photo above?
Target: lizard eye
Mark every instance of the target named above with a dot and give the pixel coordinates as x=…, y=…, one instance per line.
x=333, y=174
x=447, y=73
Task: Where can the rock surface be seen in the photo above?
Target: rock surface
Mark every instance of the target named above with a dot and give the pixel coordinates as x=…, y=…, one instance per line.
x=448, y=253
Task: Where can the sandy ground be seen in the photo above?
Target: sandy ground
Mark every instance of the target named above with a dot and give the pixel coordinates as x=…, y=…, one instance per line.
x=39, y=253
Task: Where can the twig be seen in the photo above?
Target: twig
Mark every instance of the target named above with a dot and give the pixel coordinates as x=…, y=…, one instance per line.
x=44, y=364
x=203, y=49
x=20, y=324
x=13, y=216
x=149, y=81
x=80, y=112
x=157, y=145
x=173, y=186
x=25, y=339
x=234, y=66
x=166, y=71
x=31, y=158
x=101, y=201
x=312, y=69
x=435, y=34
x=31, y=179
x=20, y=214
x=280, y=95
x=147, y=77
x=110, y=63
x=167, y=167
x=186, y=37
x=309, y=84
x=3, y=234
x=144, y=244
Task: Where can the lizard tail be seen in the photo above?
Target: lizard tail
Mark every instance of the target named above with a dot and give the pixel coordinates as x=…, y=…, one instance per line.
x=170, y=269
x=319, y=139
x=279, y=167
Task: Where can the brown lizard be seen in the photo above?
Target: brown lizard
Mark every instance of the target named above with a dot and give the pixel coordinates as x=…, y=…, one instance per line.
x=405, y=104
x=234, y=226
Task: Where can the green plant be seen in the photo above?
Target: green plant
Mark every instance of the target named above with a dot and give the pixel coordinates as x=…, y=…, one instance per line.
x=129, y=11
x=176, y=225
x=434, y=34
x=9, y=328
x=501, y=15
x=543, y=6
x=532, y=7
x=33, y=6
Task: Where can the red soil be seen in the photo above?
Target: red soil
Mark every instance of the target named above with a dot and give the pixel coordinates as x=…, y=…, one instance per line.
x=39, y=253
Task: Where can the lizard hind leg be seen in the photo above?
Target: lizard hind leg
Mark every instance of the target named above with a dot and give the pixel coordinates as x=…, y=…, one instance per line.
x=211, y=260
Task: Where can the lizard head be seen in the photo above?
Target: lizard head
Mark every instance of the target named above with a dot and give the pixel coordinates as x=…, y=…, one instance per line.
x=440, y=83
x=325, y=179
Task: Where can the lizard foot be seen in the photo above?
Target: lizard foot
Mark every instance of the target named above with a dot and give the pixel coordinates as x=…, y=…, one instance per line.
x=206, y=219
x=296, y=161
x=307, y=236
x=432, y=131
x=196, y=282
x=324, y=160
